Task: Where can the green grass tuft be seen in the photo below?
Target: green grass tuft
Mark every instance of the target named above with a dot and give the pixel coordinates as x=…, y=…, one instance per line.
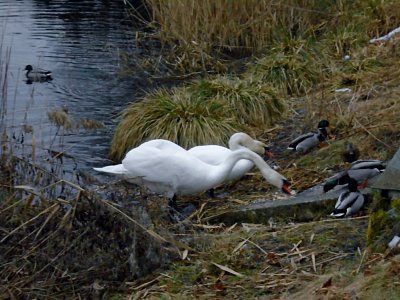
x=174, y=115
x=205, y=112
x=292, y=65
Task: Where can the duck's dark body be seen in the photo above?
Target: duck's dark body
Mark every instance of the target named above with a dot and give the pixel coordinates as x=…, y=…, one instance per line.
x=37, y=74
x=349, y=202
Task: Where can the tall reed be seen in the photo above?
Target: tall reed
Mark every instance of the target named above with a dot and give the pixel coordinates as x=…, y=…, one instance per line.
x=201, y=34
x=198, y=29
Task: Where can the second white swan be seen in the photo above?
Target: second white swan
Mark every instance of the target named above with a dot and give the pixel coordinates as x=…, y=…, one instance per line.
x=181, y=173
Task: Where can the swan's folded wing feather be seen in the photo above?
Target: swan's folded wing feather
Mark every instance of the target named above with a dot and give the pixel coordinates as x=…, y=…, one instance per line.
x=156, y=165
x=211, y=154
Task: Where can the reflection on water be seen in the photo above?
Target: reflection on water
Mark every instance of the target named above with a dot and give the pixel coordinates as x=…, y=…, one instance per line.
x=80, y=42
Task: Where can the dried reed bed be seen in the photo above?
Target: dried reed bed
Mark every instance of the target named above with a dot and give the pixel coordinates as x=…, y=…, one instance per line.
x=201, y=29
x=61, y=241
x=315, y=260
x=201, y=35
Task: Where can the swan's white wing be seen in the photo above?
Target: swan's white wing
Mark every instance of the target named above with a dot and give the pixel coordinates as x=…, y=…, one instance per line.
x=179, y=172
x=164, y=145
x=211, y=154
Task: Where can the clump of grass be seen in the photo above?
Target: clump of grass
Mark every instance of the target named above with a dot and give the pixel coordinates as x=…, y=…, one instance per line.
x=205, y=112
x=175, y=115
x=90, y=123
x=202, y=32
x=251, y=102
x=383, y=223
x=293, y=66
x=60, y=118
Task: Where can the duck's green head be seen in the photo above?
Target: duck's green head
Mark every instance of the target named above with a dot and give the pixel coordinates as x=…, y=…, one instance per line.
x=28, y=68
x=323, y=124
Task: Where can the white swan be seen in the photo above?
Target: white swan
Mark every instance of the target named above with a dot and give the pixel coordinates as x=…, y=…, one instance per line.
x=214, y=154
x=180, y=173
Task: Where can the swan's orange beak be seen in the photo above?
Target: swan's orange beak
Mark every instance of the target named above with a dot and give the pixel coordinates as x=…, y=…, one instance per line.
x=286, y=187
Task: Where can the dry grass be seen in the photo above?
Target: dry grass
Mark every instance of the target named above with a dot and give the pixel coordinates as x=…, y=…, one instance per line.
x=280, y=261
x=177, y=116
x=205, y=112
x=60, y=241
x=203, y=31
x=202, y=35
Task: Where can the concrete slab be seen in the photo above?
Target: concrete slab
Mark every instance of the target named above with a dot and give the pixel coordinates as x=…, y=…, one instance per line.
x=311, y=204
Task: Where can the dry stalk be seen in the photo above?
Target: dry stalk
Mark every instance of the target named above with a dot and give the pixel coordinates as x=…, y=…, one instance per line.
x=149, y=231
x=361, y=261
x=27, y=222
x=371, y=134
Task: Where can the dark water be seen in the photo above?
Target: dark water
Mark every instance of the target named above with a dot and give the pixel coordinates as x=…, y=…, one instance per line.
x=81, y=42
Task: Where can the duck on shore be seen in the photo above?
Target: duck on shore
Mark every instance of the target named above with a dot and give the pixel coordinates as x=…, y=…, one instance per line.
x=37, y=74
x=307, y=141
x=351, y=153
x=360, y=170
x=349, y=202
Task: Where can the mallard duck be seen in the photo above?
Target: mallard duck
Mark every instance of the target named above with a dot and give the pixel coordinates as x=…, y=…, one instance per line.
x=37, y=74
x=177, y=172
x=351, y=153
x=360, y=170
x=307, y=141
x=349, y=202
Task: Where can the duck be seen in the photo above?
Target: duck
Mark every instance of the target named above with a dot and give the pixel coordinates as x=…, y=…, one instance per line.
x=360, y=170
x=179, y=173
x=351, y=153
x=37, y=74
x=215, y=154
x=349, y=202
x=307, y=141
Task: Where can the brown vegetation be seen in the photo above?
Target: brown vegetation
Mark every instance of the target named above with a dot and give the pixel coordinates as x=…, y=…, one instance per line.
x=59, y=239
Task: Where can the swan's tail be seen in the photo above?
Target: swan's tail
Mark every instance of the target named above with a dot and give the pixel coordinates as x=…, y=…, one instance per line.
x=117, y=169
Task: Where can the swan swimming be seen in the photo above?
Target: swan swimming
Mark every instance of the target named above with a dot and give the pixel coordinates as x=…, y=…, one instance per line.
x=173, y=171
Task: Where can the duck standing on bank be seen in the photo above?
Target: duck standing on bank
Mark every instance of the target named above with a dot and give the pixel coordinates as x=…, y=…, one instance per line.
x=360, y=170
x=351, y=153
x=307, y=141
x=349, y=202
x=37, y=74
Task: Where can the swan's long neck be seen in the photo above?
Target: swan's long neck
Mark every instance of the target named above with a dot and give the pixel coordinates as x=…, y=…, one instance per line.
x=239, y=140
x=220, y=172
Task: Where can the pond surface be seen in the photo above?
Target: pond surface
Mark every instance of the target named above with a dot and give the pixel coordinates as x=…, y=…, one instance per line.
x=81, y=42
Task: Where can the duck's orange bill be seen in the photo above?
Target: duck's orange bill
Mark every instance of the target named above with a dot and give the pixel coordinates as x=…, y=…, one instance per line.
x=286, y=189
